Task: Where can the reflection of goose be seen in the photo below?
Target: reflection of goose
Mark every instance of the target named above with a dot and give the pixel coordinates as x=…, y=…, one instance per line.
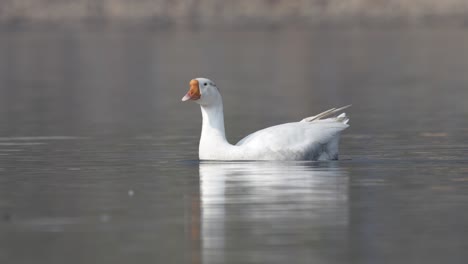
x=313, y=138
x=262, y=209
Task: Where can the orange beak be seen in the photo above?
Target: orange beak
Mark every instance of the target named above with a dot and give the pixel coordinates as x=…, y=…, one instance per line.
x=194, y=91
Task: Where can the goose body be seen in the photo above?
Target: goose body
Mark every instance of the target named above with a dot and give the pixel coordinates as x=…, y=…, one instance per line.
x=312, y=138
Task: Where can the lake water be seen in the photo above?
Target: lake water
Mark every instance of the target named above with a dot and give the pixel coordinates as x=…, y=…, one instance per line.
x=98, y=156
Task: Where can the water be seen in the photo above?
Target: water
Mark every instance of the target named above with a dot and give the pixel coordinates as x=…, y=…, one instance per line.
x=98, y=156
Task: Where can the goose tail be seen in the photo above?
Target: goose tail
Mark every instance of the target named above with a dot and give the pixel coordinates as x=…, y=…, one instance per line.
x=330, y=113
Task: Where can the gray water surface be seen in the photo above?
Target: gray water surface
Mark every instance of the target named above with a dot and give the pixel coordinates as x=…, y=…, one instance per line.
x=98, y=156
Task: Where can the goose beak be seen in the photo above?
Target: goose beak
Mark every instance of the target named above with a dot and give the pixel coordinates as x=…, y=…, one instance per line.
x=194, y=91
x=186, y=97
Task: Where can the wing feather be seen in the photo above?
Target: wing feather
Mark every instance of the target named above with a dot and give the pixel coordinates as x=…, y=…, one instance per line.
x=327, y=113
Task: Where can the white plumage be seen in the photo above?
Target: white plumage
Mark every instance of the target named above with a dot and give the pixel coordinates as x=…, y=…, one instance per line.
x=312, y=138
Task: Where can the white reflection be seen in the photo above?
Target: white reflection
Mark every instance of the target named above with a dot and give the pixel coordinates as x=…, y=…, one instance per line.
x=263, y=208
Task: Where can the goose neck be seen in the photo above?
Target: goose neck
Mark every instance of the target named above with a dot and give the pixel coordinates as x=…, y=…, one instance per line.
x=213, y=122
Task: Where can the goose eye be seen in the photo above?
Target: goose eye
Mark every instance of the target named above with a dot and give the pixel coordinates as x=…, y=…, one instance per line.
x=205, y=84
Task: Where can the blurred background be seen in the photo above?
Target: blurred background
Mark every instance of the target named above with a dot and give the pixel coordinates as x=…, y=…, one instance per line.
x=244, y=13
x=99, y=157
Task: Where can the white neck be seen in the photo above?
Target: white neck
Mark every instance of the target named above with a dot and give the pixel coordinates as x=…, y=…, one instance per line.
x=213, y=122
x=213, y=137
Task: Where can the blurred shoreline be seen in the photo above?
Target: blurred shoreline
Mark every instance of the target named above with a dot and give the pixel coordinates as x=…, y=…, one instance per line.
x=201, y=14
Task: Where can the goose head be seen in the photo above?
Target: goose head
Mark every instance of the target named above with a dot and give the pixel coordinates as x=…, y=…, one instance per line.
x=203, y=91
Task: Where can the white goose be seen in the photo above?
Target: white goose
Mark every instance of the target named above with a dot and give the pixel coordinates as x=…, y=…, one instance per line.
x=312, y=138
